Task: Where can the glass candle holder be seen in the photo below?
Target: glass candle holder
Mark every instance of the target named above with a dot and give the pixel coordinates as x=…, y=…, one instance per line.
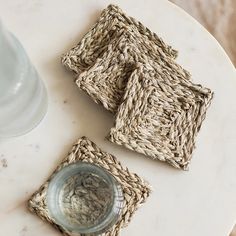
x=23, y=97
x=84, y=199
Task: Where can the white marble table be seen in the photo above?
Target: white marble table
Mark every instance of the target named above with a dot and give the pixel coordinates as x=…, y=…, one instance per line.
x=201, y=201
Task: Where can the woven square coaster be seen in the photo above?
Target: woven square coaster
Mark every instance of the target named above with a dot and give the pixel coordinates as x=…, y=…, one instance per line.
x=106, y=80
x=160, y=117
x=135, y=189
x=108, y=27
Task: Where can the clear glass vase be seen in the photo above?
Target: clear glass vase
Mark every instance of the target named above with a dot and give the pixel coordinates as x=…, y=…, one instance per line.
x=23, y=97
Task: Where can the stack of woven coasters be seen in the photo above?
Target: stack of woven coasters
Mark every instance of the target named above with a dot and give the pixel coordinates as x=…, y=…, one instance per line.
x=131, y=71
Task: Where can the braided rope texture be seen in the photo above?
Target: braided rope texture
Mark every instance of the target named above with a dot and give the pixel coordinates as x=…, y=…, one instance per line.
x=106, y=80
x=160, y=117
x=109, y=25
x=135, y=189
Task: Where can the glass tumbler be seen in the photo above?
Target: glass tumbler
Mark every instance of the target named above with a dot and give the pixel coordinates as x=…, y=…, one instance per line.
x=73, y=196
x=23, y=97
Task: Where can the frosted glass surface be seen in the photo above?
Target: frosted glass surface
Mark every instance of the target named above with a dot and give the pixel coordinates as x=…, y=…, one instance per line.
x=23, y=97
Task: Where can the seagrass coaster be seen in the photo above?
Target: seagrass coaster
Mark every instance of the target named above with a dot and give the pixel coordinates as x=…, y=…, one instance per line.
x=160, y=117
x=135, y=189
x=110, y=23
x=106, y=80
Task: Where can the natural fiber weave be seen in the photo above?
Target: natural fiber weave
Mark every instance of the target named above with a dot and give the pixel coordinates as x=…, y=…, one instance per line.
x=106, y=80
x=160, y=116
x=135, y=189
x=95, y=42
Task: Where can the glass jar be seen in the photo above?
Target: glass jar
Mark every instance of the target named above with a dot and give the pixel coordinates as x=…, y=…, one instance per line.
x=23, y=97
x=84, y=199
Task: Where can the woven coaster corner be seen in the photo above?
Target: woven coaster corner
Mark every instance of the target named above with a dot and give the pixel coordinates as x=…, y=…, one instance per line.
x=107, y=28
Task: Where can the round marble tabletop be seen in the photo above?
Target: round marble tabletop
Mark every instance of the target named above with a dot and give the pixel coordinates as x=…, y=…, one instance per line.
x=201, y=201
